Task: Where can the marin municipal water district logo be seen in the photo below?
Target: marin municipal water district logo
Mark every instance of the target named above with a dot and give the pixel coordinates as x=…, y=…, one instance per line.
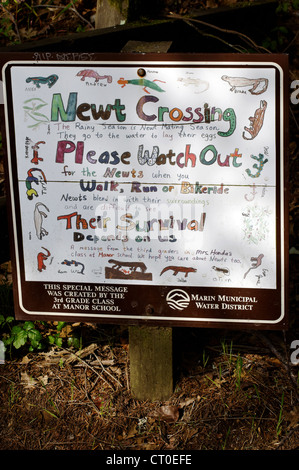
x=178, y=299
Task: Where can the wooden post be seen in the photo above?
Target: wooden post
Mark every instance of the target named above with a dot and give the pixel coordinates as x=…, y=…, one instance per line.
x=151, y=368
x=115, y=12
x=111, y=13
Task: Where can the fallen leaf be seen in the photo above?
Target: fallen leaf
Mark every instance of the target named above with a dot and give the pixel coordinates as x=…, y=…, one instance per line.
x=28, y=381
x=187, y=402
x=169, y=413
x=25, y=360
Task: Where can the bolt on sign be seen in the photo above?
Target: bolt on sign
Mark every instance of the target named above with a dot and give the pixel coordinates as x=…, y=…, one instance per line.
x=149, y=188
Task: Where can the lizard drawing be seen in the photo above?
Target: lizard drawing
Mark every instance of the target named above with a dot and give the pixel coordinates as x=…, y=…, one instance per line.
x=256, y=122
x=141, y=82
x=133, y=265
x=255, y=263
x=178, y=269
x=236, y=82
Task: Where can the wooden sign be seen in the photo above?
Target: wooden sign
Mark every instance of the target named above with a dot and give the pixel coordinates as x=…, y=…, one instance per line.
x=149, y=189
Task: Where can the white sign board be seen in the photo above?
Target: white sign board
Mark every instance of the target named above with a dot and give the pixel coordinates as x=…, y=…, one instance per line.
x=148, y=173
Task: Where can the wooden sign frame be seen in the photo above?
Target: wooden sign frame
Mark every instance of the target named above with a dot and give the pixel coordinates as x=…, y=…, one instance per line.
x=222, y=111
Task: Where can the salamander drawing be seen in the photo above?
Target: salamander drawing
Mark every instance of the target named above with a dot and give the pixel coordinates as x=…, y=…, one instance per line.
x=75, y=263
x=93, y=74
x=38, y=220
x=221, y=271
x=196, y=82
x=141, y=82
x=236, y=82
x=178, y=269
x=256, y=122
x=38, y=81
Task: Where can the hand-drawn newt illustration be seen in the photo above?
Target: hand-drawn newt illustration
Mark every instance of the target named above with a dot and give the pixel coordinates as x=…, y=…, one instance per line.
x=236, y=82
x=141, y=82
x=178, y=269
x=133, y=265
x=255, y=263
x=136, y=270
x=221, y=272
x=35, y=148
x=32, y=179
x=259, y=167
x=38, y=81
x=197, y=82
x=38, y=220
x=41, y=257
x=256, y=122
x=252, y=194
x=74, y=263
x=260, y=276
x=93, y=74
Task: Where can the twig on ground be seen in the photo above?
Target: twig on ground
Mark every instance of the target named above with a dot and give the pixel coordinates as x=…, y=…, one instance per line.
x=73, y=9
x=105, y=370
x=247, y=39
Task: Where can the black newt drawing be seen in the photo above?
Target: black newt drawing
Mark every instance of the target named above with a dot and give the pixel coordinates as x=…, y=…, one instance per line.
x=178, y=269
x=221, y=272
x=127, y=270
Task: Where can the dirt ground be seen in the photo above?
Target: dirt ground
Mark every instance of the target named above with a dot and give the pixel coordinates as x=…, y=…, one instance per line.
x=233, y=390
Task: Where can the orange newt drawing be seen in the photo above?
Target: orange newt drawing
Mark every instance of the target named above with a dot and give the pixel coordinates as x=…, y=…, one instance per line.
x=141, y=82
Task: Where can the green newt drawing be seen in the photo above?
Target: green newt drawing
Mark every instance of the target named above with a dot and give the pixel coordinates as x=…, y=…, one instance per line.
x=141, y=82
x=259, y=167
x=38, y=81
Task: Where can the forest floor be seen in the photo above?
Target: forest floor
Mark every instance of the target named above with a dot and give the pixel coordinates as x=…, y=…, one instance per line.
x=233, y=390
